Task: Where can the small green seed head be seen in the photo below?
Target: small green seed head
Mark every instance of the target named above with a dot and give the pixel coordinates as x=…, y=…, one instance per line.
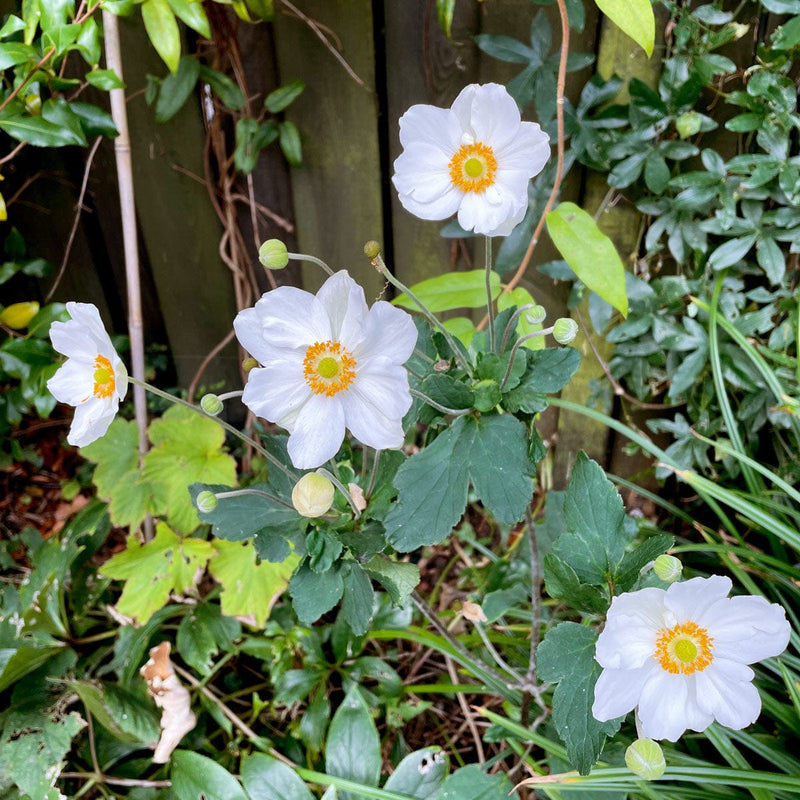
x=668, y=568
x=565, y=330
x=273, y=254
x=312, y=495
x=211, y=404
x=249, y=363
x=206, y=501
x=644, y=757
x=372, y=249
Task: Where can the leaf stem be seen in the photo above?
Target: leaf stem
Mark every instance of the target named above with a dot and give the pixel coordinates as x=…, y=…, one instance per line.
x=487, y=252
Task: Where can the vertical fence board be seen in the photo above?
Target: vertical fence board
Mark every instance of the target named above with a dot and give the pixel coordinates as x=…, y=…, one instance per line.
x=337, y=191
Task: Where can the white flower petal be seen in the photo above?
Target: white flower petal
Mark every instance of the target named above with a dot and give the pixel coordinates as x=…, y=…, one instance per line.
x=73, y=382
x=527, y=153
x=441, y=207
x=625, y=643
x=343, y=301
x=727, y=693
x=91, y=421
x=617, y=692
x=388, y=332
x=436, y=126
x=747, y=629
x=318, y=432
x=690, y=599
x=667, y=707
x=488, y=113
x=276, y=390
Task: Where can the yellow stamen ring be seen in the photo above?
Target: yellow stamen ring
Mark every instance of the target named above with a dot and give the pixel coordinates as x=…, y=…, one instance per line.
x=328, y=368
x=473, y=167
x=684, y=649
x=104, y=381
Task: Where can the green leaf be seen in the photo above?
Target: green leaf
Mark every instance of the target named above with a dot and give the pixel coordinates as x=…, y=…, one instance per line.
x=175, y=89
x=562, y=583
x=126, y=717
x=192, y=13
x=451, y=290
x=195, y=776
x=282, y=97
x=549, y=370
x=248, y=588
x=732, y=251
x=16, y=662
x=40, y=132
x=162, y=30
x=13, y=53
x=633, y=562
x=252, y=137
x=94, y=121
x=266, y=778
x=105, y=79
x=444, y=13
x=154, y=570
x=353, y=749
x=227, y=91
x=505, y=48
x=472, y=783
x=633, y=17
x=771, y=259
x=593, y=544
x=314, y=593
x=420, y=774
x=261, y=9
x=566, y=656
x=358, y=599
x=590, y=253
x=656, y=172
x=88, y=42
x=186, y=450
x=399, y=578
x=289, y=140
x=201, y=634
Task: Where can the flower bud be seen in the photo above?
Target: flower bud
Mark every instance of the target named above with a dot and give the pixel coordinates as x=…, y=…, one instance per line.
x=372, y=249
x=565, y=330
x=312, y=495
x=273, y=254
x=211, y=404
x=668, y=568
x=644, y=757
x=18, y=315
x=536, y=315
x=206, y=501
x=249, y=363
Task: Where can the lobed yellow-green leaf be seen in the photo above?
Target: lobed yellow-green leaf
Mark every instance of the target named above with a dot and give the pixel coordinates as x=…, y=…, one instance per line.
x=633, y=17
x=591, y=254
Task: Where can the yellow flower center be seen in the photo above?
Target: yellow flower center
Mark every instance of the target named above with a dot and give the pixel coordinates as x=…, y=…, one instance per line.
x=684, y=649
x=104, y=381
x=473, y=167
x=328, y=368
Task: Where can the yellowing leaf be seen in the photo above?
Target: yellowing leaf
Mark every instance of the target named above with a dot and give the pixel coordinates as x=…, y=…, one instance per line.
x=155, y=570
x=162, y=30
x=633, y=17
x=522, y=297
x=248, y=588
x=18, y=315
x=591, y=254
x=452, y=290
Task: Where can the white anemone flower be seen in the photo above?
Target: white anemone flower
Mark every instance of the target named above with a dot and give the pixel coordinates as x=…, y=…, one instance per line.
x=474, y=158
x=93, y=378
x=328, y=363
x=680, y=655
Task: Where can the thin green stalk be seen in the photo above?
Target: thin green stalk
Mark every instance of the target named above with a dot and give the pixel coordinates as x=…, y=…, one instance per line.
x=342, y=488
x=455, y=412
x=257, y=492
x=227, y=426
x=487, y=252
x=313, y=259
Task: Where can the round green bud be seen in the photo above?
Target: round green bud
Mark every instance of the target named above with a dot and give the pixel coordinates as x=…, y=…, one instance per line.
x=565, y=330
x=487, y=394
x=249, y=363
x=206, y=501
x=536, y=315
x=273, y=254
x=372, y=249
x=644, y=757
x=211, y=404
x=668, y=568
x=312, y=495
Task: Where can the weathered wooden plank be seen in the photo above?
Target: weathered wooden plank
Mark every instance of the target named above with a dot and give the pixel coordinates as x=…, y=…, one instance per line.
x=337, y=191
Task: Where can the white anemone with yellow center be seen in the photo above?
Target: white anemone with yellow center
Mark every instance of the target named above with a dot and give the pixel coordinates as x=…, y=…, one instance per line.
x=93, y=378
x=679, y=656
x=474, y=158
x=328, y=363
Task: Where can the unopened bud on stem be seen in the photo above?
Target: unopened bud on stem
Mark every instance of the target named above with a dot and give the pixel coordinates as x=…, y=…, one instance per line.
x=273, y=254
x=372, y=249
x=565, y=330
x=206, y=501
x=645, y=758
x=211, y=404
x=668, y=568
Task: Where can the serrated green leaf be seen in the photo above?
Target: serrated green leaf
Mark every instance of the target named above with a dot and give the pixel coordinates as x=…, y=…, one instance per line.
x=195, y=776
x=399, y=578
x=566, y=656
x=186, y=450
x=451, y=290
x=154, y=570
x=248, y=588
x=201, y=634
x=562, y=583
x=266, y=778
x=651, y=548
x=314, y=593
x=589, y=252
x=353, y=749
x=162, y=30
x=357, y=600
x=420, y=774
x=633, y=17
x=593, y=544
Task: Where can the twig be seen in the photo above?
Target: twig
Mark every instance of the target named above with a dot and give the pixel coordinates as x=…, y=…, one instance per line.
x=536, y=580
x=75, y=221
x=206, y=361
x=13, y=153
x=111, y=781
x=465, y=710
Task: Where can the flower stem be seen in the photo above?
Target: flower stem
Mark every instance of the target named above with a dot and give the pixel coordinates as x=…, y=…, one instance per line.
x=512, y=324
x=456, y=412
x=487, y=252
x=227, y=426
x=258, y=492
x=341, y=487
x=313, y=259
x=380, y=265
x=516, y=347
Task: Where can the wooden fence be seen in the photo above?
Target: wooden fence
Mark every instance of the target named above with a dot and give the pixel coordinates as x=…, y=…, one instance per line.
x=341, y=196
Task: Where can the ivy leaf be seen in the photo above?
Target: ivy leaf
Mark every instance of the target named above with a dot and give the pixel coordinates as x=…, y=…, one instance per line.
x=566, y=657
x=154, y=570
x=592, y=544
x=194, y=776
x=353, y=749
x=248, y=588
x=591, y=254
